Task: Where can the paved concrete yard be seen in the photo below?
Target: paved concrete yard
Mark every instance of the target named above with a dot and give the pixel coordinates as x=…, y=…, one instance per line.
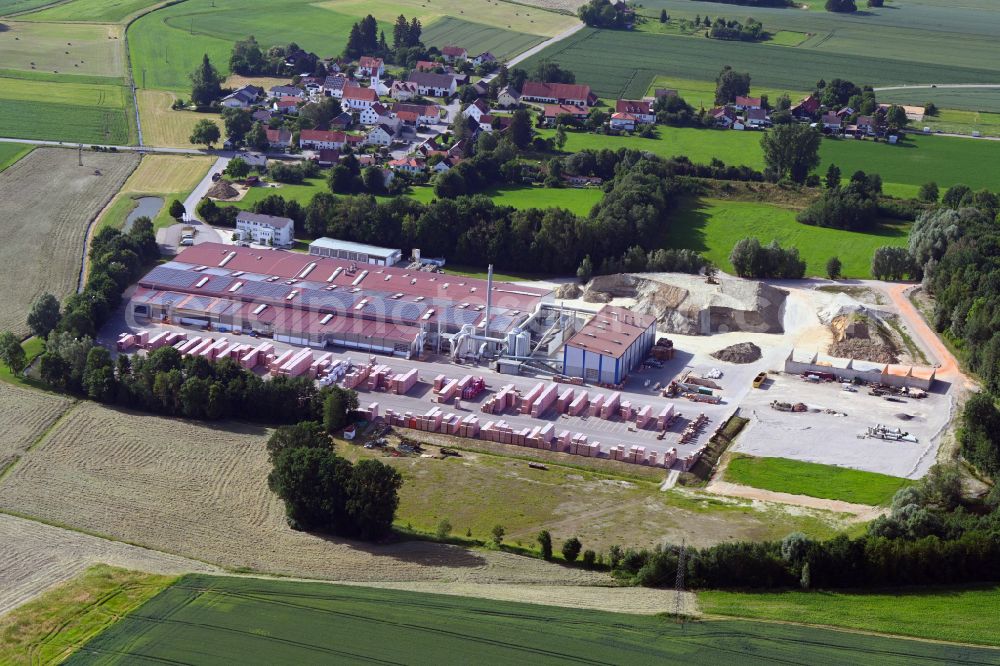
x=832, y=440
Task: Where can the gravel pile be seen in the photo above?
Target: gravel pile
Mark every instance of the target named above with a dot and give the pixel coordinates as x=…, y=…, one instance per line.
x=743, y=352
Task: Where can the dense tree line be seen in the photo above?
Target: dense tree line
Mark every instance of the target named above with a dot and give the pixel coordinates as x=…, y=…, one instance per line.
x=730, y=84
x=601, y=14
x=750, y=259
x=324, y=492
x=842, y=6
x=854, y=207
x=928, y=538
x=365, y=39
x=249, y=59
x=733, y=30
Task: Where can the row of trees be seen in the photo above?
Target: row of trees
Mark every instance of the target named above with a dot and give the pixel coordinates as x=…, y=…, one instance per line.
x=324, y=492
x=750, y=259
x=249, y=59
x=928, y=538
x=733, y=30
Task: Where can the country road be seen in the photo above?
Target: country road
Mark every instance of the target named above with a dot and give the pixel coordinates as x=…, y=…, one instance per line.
x=919, y=86
x=569, y=32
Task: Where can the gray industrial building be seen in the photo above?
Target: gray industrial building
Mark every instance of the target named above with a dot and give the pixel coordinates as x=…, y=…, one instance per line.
x=361, y=253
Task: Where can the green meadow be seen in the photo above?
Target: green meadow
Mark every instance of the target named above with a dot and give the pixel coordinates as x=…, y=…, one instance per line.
x=804, y=478
x=903, y=167
x=12, y=152
x=966, y=615
x=96, y=11
x=713, y=227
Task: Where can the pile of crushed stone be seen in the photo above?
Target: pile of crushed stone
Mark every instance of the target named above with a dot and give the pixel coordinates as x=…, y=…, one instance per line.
x=743, y=352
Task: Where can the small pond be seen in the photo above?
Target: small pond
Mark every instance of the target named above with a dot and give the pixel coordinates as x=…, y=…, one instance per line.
x=146, y=207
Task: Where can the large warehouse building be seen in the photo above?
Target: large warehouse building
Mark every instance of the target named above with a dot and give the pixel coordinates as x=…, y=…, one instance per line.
x=311, y=300
x=609, y=346
x=359, y=252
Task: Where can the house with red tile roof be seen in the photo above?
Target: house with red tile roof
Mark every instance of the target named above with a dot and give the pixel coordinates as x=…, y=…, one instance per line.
x=641, y=110
x=557, y=93
x=359, y=98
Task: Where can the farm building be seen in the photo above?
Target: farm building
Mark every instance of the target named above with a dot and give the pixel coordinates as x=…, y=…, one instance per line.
x=847, y=369
x=557, y=93
x=319, y=301
x=609, y=346
x=359, y=252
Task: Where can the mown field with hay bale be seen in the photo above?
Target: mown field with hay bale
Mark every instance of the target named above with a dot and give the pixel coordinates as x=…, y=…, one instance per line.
x=48, y=202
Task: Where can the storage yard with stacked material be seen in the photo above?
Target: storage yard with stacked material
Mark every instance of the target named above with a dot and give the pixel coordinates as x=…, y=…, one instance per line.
x=595, y=381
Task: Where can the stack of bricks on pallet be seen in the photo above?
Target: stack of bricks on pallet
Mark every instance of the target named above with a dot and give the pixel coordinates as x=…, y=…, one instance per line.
x=378, y=376
x=439, y=382
x=610, y=407
x=626, y=411
x=500, y=401
x=665, y=417
x=562, y=403
x=369, y=413
x=355, y=377
x=321, y=365
x=596, y=403
x=544, y=400
x=401, y=384
x=297, y=365
x=643, y=417
x=528, y=399
x=578, y=405
x=453, y=387
x=256, y=356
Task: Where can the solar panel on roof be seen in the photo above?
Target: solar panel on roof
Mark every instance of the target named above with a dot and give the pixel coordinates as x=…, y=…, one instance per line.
x=170, y=277
x=264, y=290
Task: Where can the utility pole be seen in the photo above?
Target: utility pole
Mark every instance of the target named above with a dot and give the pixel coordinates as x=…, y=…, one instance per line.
x=79, y=155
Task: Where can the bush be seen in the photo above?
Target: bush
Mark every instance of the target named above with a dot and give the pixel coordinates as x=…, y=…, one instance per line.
x=589, y=558
x=571, y=549
x=545, y=543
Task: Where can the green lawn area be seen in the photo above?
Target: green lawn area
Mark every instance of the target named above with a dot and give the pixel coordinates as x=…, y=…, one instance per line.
x=579, y=200
x=221, y=620
x=96, y=11
x=12, y=152
x=966, y=615
x=903, y=167
x=70, y=111
x=33, y=348
x=713, y=226
x=53, y=626
x=169, y=43
x=803, y=478
x=699, y=93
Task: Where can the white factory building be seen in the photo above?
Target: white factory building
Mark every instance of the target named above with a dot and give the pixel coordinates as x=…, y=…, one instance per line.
x=357, y=252
x=265, y=229
x=609, y=346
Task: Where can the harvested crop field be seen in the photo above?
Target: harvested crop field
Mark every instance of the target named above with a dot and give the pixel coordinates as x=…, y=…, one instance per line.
x=25, y=416
x=34, y=557
x=46, y=205
x=201, y=492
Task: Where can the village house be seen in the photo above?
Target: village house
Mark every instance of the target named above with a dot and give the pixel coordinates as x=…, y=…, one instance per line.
x=380, y=135
x=582, y=181
x=552, y=112
x=411, y=165
x=359, y=98
x=374, y=115
x=454, y=53
x=484, y=58
x=242, y=98
x=343, y=121
x=278, y=92
x=253, y=160
x=326, y=157
x=434, y=85
x=278, y=139
x=757, y=119
x=831, y=121
x=642, y=111
x=403, y=90
x=557, y=93
x=477, y=110
x=262, y=115
x=427, y=66
x=319, y=139
x=746, y=103
x=806, y=108
x=287, y=105
x=333, y=86
x=723, y=116
x=623, y=122
x=427, y=114
x=508, y=97
x=369, y=66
